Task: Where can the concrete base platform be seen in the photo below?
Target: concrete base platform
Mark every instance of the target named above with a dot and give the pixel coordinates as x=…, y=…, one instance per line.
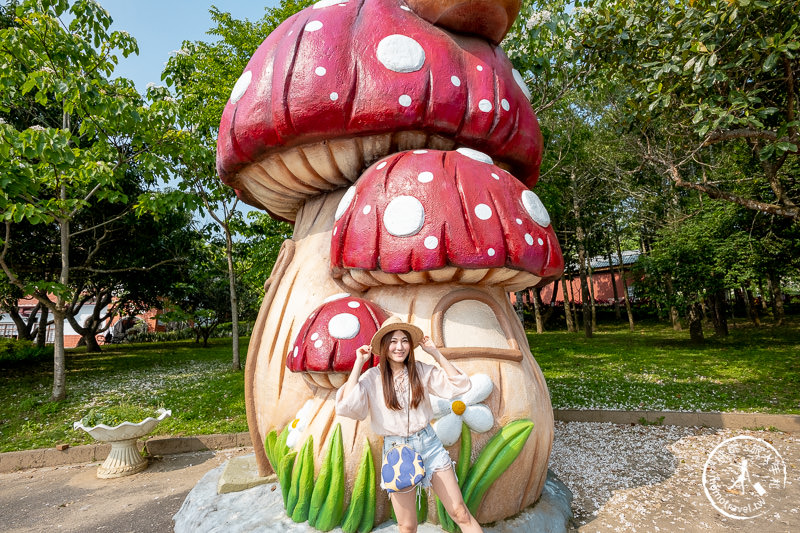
x=261, y=509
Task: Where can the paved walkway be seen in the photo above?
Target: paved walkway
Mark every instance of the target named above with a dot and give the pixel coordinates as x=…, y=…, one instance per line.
x=72, y=499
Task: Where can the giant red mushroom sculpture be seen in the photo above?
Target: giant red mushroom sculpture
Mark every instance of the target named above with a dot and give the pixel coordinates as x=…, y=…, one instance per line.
x=332, y=90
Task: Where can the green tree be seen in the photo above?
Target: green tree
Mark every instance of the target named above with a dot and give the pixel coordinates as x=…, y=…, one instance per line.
x=202, y=75
x=713, y=73
x=55, y=164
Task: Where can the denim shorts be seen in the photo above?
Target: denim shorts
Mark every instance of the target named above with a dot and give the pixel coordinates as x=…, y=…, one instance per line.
x=426, y=443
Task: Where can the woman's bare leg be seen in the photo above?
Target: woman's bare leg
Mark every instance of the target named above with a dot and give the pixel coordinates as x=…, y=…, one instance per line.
x=446, y=488
x=405, y=509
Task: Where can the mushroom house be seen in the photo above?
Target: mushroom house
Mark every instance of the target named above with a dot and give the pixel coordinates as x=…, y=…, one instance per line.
x=399, y=141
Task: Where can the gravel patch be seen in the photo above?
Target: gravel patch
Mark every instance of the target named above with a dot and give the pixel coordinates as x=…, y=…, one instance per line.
x=649, y=478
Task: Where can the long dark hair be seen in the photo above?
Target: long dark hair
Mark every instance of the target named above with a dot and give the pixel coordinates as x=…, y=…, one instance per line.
x=389, y=396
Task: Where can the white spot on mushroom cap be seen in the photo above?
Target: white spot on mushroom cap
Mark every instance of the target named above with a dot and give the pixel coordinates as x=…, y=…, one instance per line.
x=431, y=242
x=367, y=209
x=491, y=252
x=420, y=152
x=334, y=297
x=353, y=305
x=540, y=241
x=495, y=176
x=404, y=100
x=334, y=96
x=405, y=8
x=485, y=105
x=314, y=25
x=519, y=221
x=480, y=68
x=404, y=216
x=483, y=211
x=528, y=238
x=320, y=71
x=328, y=3
x=455, y=80
x=296, y=350
x=315, y=336
x=344, y=326
x=381, y=165
x=335, y=230
x=400, y=53
x=344, y=203
x=241, y=86
x=504, y=104
x=476, y=155
x=535, y=208
x=521, y=83
x=318, y=344
x=425, y=177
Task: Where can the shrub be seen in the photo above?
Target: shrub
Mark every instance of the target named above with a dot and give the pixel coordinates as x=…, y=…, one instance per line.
x=21, y=351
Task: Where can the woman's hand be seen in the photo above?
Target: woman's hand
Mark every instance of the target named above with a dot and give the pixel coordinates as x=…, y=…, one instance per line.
x=427, y=345
x=362, y=354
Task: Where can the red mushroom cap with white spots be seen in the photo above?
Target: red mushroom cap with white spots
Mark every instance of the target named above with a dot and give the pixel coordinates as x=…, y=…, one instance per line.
x=341, y=84
x=325, y=347
x=429, y=216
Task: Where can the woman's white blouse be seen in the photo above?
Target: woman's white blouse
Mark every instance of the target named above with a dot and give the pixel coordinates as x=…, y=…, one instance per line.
x=366, y=398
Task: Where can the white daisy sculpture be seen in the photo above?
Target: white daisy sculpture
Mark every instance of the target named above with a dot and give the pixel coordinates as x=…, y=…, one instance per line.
x=466, y=409
x=299, y=424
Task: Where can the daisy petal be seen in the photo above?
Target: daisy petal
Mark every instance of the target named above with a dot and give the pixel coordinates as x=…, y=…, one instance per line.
x=481, y=389
x=448, y=428
x=440, y=406
x=479, y=418
x=292, y=438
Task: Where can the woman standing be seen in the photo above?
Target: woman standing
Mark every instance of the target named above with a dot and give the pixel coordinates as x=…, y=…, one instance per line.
x=396, y=395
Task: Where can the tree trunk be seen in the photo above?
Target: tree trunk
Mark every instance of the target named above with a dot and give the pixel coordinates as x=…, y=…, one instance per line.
x=567, y=306
x=41, y=332
x=235, y=364
x=546, y=314
x=591, y=294
x=752, y=308
x=674, y=316
x=695, y=322
x=59, y=364
x=622, y=274
x=580, y=237
x=774, y=284
x=537, y=310
x=718, y=312
x=762, y=294
x=617, y=312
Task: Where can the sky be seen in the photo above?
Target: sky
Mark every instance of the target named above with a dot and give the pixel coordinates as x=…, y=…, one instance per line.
x=160, y=26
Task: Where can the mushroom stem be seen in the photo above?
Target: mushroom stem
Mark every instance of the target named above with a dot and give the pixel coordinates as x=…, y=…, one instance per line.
x=305, y=282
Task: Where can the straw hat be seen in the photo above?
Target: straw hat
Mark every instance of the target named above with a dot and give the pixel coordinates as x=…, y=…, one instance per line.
x=393, y=323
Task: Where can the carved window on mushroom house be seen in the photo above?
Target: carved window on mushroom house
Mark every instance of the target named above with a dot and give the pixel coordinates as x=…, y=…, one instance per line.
x=470, y=323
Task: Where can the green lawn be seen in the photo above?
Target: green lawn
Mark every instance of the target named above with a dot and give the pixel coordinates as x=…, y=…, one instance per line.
x=195, y=383
x=754, y=369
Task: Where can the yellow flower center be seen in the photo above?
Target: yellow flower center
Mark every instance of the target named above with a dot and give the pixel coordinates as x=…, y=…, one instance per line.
x=459, y=407
x=295, y=422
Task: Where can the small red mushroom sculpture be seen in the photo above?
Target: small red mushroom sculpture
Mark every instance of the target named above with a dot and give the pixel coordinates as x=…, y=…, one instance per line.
x=325, y=348
x=400, y=142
